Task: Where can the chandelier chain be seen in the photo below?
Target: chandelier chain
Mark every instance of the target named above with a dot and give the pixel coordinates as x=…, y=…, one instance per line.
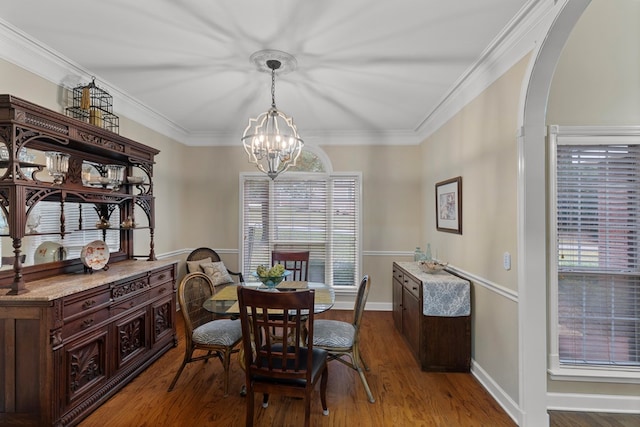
x=273, y=87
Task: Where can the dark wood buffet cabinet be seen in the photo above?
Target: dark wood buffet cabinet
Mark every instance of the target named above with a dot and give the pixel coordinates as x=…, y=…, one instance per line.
x=71, y=337
x=439, y=343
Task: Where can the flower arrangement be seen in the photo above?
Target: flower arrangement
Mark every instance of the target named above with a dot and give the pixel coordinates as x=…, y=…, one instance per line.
x=271, y=277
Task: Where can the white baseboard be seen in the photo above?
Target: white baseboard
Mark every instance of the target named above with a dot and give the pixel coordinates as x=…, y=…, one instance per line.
x=593, y=403
x=509, y=405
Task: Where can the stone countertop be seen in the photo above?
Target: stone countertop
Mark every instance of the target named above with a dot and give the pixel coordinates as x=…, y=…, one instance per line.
x=443, y=294
x=62, y=285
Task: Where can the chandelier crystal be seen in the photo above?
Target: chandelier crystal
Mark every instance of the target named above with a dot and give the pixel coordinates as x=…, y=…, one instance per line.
x=271, y=140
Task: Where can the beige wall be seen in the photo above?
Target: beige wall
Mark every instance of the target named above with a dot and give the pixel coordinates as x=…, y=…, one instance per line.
x=597, y=82
x=391, y=202
x=479, y=144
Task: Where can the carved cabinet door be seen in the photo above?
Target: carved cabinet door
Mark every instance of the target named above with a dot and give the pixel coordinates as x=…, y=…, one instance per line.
x=162, y=321
x=85, y=367
x=131, y=334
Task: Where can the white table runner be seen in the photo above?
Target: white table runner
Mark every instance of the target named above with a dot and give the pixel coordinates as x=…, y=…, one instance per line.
x=443, y=293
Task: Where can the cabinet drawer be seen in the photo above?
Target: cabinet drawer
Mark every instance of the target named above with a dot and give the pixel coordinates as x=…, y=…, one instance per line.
x=412, y=285
x=163, y=289
x=161, y=276
x=129, y=288
x=85, y=322
x=84, y=302
x=397, y=274
x=129, y=304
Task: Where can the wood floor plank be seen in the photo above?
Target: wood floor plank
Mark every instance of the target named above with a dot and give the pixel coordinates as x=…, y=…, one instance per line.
x=405, y=396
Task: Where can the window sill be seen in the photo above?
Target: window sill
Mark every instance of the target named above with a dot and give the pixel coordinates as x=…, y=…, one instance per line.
x=604, y=375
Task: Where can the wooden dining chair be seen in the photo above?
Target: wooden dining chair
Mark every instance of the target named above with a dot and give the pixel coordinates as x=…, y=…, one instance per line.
x=295, y=261
x=284, y=365
x=218, y=337
x=342, y=338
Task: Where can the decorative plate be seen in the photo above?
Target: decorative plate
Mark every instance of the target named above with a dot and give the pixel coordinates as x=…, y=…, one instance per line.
x=95, y=255
x=49, y=252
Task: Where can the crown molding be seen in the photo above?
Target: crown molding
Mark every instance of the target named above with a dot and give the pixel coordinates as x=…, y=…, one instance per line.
x=516, y=40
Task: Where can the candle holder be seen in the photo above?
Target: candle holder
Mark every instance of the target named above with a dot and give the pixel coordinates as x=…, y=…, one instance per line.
x=57, y=165
x=115, y=174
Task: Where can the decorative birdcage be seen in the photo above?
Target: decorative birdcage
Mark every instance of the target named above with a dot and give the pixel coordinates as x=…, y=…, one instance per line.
x=94, y=105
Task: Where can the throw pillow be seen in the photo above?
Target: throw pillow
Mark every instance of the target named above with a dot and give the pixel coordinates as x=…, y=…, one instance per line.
x=193, y=266
x=217, y=272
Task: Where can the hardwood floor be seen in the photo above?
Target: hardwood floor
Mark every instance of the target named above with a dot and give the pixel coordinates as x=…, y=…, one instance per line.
x=405, y=396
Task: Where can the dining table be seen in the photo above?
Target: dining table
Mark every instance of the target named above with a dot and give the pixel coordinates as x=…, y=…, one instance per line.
x=225, y=301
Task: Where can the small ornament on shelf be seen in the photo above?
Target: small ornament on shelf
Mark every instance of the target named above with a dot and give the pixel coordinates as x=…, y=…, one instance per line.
x=93, y=105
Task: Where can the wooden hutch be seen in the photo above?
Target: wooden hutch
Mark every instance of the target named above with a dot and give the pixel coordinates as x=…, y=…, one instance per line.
x=71, y=337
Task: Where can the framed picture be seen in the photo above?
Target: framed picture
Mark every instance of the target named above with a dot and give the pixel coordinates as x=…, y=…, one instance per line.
x=449, y=205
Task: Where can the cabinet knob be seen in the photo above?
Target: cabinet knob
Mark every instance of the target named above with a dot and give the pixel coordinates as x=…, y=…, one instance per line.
x=88, y=303
x=87, y=323
x=162, y=276
x=414, y=288
x=162, y=290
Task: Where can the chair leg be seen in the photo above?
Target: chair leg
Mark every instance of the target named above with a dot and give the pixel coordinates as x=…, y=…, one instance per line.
x=355, y=357
x=323, y=390
x=364, y=364
x=307, y=408
x=187, y=358
x=265, y=400
x=366, y=385
x=175, y=378
x=226, y=362
x=250, y=404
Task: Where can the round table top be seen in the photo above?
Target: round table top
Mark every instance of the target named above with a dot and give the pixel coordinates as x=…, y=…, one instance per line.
x=225, y=300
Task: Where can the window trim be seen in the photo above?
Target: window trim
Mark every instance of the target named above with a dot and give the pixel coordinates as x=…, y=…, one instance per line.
x=578, y=135
x=343, y=289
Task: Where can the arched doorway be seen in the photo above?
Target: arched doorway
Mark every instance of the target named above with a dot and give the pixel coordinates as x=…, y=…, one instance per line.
x=532, y=287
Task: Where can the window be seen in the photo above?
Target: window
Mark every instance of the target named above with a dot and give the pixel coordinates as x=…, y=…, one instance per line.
x=596, y=314
x=303, y=211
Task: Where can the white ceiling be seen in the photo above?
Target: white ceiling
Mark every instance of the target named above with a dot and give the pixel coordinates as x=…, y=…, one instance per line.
x=363, y=66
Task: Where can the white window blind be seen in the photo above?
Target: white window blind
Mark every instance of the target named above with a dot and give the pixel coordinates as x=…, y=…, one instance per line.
x=304, y=212
x=598, y=230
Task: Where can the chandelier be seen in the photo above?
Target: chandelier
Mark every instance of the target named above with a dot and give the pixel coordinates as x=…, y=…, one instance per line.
x=271, y=140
